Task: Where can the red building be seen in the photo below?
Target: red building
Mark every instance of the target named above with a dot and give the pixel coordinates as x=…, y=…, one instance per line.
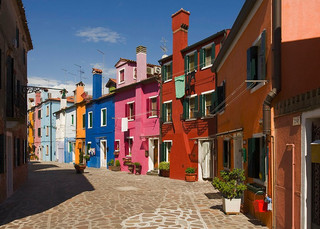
x=188, y=92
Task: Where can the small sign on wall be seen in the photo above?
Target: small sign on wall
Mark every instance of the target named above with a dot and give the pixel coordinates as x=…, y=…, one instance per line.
x=296, y=121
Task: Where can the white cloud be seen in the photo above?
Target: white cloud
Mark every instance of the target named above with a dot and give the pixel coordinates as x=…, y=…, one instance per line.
x=97, y=34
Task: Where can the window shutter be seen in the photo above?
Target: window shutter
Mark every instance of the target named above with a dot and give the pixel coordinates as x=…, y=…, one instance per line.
x=214, y=102
x=201, y=58
x=226, y=149
x=262, y=56
x=126, y=147
x=185, y=108
x=171, y=70
x=195, y=60
x=115, y=145
x=201, y=106
x=196, y=107
x=262, y=160
x=163, y=112
x=162, y=73
x=213, y=52
x=148, y=107
x=126, y=110
x=104, y=117
x=186, y=65
x=251, y=147
x=158, y=106
x=134, y=111
x=251, y=64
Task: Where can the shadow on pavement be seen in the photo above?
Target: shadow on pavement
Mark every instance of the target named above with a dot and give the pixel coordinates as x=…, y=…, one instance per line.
x=213, y=195
x=43, y=190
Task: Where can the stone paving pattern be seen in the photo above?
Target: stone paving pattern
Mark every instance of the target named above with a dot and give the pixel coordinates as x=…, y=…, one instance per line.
x=56, y=197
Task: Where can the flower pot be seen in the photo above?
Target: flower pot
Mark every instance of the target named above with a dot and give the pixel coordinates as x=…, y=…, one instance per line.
x=79, y=168
x=116, y=153
x=164, y=173
x=114, y=168
x=138, y=170
x=130, y=167
x=231, y=206
x=190, y=177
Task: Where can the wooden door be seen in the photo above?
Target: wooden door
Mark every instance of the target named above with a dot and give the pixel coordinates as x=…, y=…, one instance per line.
x=103, y=154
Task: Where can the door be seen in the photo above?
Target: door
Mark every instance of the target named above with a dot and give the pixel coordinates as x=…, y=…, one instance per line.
x=205, y=160
x=155, y=153
x=103, y=154
x=237, y=151
x=9, y=150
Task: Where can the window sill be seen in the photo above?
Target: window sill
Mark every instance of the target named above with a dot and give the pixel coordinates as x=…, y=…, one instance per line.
x=167, y=81
x=190, y=119
x=153, y=117
x=206, y=67
x=103, y=125
x=88, y=128
x=167, y=123
x=255, y=88
x=121, y=83
x=207, y=117
x=191, y=71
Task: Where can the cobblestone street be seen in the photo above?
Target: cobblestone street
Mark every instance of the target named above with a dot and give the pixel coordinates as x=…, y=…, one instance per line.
x=56, y=197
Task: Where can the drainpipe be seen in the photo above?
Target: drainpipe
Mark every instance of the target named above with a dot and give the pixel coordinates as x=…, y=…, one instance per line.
x=292, y=184
x=276, y=82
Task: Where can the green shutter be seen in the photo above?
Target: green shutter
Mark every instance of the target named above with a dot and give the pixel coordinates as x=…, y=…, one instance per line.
x=196, y=106
x=90, y=117
x=164, y=118
x=162, y=73
x=214, y=102
x=213, y=52
x=72, y=119
x=252, y=64
x=195, y=60
x=262, y=160
x=104, y=117
x=185, y=65
x=262, y=56
x=201, y=106
x=201, y=58
x=162, y=152
x=70, y=147
x=185, y=108
x=251, y=147
x=171, y=70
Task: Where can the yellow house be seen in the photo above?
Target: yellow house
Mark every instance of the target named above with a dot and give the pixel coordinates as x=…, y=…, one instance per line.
x=30, y=125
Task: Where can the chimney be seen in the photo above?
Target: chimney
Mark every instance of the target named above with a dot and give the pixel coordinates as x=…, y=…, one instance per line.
x=63, y=101
x=38, y=98
x=79, y=91
x=180, y=25
x=96, y=83
x=141, y=63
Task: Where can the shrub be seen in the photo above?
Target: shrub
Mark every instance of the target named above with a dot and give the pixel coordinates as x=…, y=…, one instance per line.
x=117, y=163
x=111, y=162
x=137, y=164
x=164, y=165
x=190, y=170
x=232, y=183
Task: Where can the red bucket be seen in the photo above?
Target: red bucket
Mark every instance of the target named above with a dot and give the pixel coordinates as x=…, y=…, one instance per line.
x=260, y=206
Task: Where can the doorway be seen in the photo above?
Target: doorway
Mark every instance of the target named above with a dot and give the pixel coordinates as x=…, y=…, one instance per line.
x=153, y=153
x=9, y=150
x=205, y=165
x=237, y=152
x=103, y=153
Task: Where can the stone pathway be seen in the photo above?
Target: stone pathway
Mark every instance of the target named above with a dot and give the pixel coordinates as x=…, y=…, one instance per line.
x=56, y=197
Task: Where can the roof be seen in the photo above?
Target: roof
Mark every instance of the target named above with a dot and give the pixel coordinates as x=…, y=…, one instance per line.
x=110, y=81
x=25, y=23
x=133, y=61
x=242, y=16
x=181, y=10
x=100, y=98
x=96, y=71
x=165, y=59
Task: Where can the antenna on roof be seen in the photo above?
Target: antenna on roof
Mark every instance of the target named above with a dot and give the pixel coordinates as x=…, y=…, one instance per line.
x=80, y=71
x=163, y=46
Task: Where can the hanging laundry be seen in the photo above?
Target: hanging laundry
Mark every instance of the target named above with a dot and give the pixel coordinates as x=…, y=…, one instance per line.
x=124, y=124
x=180, y=86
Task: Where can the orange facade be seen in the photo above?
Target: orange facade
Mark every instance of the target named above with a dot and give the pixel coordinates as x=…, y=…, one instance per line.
x=31, y=134
x=80, y=96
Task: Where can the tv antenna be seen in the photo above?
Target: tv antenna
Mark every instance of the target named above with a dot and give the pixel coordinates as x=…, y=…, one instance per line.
x=163, y=45
x=80, y=71
x=66, y=71
x=102, y=69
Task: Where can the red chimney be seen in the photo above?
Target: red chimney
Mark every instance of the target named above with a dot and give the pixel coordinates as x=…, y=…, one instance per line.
x=180, y=25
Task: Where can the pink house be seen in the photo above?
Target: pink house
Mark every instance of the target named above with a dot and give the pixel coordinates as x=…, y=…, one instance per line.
x=37, y=125
x=137, y=112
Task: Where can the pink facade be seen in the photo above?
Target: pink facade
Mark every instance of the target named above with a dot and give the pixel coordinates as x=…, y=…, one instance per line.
x=37, y=124
x=137, y=99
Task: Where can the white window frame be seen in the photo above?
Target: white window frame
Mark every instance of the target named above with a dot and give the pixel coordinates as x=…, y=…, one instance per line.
x=189, y=97
x=119, y=74
x=130, y=149
x=205, y=47
x=166, y=64
x=169, y=101
x=90, y=112
x=87, y=149
x=205, y=105
x=153, y=116
x=130, y=116
x=101, y=116
x=188, y=54
x=117, y=140
x=167, y=152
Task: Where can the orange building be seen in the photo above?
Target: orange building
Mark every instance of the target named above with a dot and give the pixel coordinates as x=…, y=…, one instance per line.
x=31, y=130
x=243, y=71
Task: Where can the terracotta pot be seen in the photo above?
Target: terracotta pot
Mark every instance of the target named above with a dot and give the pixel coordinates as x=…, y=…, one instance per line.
x=164, y=173
x=114, y=168
x=79, y=168
x=131, y=167
x=138, y=170
x=190, y=177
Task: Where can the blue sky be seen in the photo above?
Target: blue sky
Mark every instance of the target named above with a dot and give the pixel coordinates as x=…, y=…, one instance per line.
x=69, y=32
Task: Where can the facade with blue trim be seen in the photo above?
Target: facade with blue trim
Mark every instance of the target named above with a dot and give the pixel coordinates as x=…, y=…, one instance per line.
x=100, y=124
x=70, y=134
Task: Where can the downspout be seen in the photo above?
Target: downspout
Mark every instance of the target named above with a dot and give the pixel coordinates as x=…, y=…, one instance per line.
x=276, y=84
x=292, y=183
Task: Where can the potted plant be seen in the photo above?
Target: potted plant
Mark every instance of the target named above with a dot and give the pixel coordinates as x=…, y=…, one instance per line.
x=130, y=167
x=231, y=186
x=138, y=167
x=110, y=164
x=164, y=168
x=80, y=167
x=190, y=174
x=126, y=160
x=115, y=167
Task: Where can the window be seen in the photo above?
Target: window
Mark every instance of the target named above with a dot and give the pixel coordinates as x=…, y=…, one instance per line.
x=219, y=99
x=226, y=154
x=117, y=145
x=88, y=148
x=47, y=130
x=10, y=87
x=191, y=62
x=47, y=150
x=39, y=114
x=167, y=72
x=72, y=119
x=121, y=76
x=70, y=147
x=90, y=119
x=129, y=146
x=39, y=132
x=130, y=111
x=84, y=121
x=205, y=103
x=207, y=55
x=256, y=61
x=165, y=151
x=257, y=158
x=152, y=107
x=167, y=111
x=190, y=107
x=103, y=117
x=47, y=110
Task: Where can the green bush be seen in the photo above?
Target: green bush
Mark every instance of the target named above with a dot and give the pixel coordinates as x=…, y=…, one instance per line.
x=232, y=183
x=164, y=165
x=111, y=162
x=190, y=170
x=117, y=163
x=137, y=164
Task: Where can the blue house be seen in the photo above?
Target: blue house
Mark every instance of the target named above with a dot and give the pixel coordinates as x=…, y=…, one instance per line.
x=100, y=123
